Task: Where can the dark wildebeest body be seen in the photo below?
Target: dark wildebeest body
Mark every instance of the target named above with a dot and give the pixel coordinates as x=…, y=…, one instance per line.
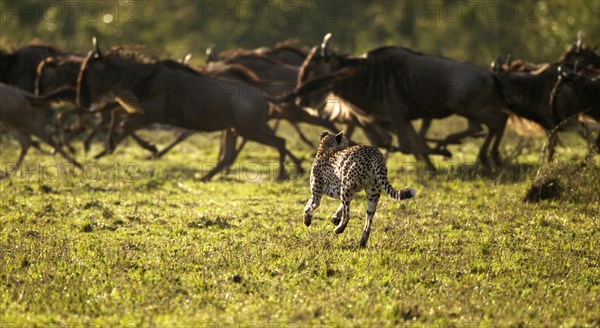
x=527, y=94
x=396, y=85
x=585, y=86
x=20, y=67
x=268, y=68
x=24, y=114
x=156, y=93
x=62, y=70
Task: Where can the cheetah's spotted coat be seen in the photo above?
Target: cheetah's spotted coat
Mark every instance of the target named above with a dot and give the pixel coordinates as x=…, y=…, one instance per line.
x=339, y=171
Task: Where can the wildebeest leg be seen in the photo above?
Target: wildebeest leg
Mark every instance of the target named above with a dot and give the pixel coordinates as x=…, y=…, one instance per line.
x=129, y=126
x=24, y=140
x=377, y=136
x=132, y=123
x=276, y=125
x=496, y=144
x=550, y=148
x=144, y=144
x=495, y=121
x=409, y=142
x=45, y=137
x=227, y=156
x=302, y=136
x=372, y=201
x=267, y=137
x=104, y=122
x=227, y=141
x=295, y=114
x=110, y=135
x=60, y=119
x=425, y=124
x=474, y=129
x=181, y=137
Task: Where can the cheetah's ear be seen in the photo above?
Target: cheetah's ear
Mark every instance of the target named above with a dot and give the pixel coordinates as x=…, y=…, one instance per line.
x=339, y=136
x=324, y=134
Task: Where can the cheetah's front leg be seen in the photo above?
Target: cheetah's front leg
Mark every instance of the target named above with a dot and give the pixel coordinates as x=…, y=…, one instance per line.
x=312, y=204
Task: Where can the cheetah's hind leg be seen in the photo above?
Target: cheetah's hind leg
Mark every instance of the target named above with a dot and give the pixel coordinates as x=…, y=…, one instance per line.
x=346, y=200
x=337, y=216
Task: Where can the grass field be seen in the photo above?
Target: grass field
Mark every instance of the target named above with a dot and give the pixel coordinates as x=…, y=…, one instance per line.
x=133, y=242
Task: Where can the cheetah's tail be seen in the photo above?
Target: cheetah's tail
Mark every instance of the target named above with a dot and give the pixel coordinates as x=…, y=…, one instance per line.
x=405, y=193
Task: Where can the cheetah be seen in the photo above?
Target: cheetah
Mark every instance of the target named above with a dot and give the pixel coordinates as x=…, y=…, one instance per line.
x=339, y=171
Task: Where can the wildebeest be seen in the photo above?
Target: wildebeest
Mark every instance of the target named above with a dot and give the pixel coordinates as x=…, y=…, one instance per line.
x=60, y=71
x=584, y=85
x=583, y=55
x=157, y=93
x=280, y=78
x=268, y=68
x=24, y=114
x=19, y=67
x=527, y=94
x=396, y=85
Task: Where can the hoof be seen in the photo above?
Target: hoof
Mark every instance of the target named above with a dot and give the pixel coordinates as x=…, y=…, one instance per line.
x=282, y=177
x=101, y=154
x=363, y=240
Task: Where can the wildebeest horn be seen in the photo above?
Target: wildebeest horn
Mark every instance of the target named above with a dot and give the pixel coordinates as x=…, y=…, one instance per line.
x=508, y=59
x=186, y=59
x=96, y=48
x=496, y=65
x=211, y=55
x=325, y=51
x=579, y=40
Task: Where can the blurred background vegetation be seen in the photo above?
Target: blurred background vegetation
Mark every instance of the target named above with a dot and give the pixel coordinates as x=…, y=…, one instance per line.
x=477, y=31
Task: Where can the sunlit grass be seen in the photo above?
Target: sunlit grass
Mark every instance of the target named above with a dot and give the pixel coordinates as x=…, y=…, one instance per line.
x=143, y=242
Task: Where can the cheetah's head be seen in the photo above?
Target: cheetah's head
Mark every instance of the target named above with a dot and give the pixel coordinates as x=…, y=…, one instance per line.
x=333, y=141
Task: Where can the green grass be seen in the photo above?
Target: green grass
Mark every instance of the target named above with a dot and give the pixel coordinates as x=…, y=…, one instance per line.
x=134, y=242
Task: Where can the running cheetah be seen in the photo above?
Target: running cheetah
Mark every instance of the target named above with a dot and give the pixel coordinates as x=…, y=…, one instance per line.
x=339, y=171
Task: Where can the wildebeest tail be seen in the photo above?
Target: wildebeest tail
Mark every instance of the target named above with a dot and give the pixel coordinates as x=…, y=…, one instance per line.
x=405, y=193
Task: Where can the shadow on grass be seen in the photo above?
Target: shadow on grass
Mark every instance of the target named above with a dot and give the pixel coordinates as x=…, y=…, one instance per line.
x=507, y=174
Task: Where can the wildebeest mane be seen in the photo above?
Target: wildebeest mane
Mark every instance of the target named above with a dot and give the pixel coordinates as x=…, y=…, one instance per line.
x=136, y=79
x=39, y=47
x=240, y=72
x=133, y=53
x=369, y=87
x=293, y=43
x=252, y=55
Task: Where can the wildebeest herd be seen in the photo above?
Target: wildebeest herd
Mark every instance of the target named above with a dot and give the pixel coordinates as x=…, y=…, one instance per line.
x=123, y=90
